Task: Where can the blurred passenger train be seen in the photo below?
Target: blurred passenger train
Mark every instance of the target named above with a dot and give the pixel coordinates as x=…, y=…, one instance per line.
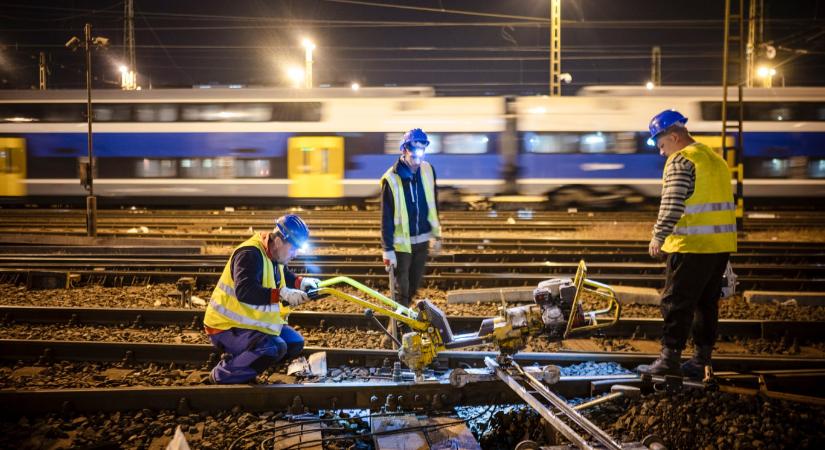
x=253, y=145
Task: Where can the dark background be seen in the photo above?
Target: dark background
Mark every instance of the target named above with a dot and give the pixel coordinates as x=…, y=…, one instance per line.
x=462, y=47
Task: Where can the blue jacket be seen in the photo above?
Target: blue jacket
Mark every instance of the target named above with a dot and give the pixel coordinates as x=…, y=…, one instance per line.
x=248, y=274
x=417, y=206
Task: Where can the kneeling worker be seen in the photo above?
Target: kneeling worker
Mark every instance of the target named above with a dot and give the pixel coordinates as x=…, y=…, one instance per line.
x=247, y=314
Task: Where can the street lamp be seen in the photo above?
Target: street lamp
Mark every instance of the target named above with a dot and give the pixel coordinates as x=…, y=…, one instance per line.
x=355, y=86
x=296, y=75
x=766, y=74
x=309, y=46
x=128, y=78
x=87, y=170
x=649, y=85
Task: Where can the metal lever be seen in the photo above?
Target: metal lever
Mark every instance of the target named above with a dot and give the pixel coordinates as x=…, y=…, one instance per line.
x=370, y=314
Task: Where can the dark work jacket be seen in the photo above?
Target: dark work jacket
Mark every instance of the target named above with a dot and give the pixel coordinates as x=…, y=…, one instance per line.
x=248, y=274
x=417, y=207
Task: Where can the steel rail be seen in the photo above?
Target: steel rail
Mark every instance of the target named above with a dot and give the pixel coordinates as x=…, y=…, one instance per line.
x=546, y=269
x=441, y=280
x=200, y=354
x=428, y=395
x=193, y=319
x=544, y=245
x=69, y=253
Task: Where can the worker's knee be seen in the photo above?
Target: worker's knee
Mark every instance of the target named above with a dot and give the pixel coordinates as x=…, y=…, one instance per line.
x=294, y=348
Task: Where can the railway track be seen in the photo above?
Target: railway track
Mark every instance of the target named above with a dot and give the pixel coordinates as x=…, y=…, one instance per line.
x=123, y=359
x=193, y=320
x=441, y=275
x=526, y=220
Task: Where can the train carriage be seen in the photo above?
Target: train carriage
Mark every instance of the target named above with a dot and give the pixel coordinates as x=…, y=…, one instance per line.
x=256, y=145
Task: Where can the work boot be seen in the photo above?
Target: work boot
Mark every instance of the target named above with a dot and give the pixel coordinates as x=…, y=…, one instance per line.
x=666, y=364
x=695, y=366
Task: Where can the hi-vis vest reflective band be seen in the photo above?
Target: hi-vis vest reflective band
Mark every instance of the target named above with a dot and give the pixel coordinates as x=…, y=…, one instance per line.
x=225, y=311
x=401, y=237
x=709, y=222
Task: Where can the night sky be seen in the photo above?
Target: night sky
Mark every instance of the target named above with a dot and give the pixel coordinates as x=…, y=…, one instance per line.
x=461, y=47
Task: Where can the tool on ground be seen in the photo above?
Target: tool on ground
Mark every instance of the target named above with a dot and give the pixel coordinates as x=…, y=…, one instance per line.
x=556, y=313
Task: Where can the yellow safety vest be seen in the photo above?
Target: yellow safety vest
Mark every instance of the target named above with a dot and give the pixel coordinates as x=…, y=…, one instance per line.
x=709, y=222
x=225, y=311
x=401, y=237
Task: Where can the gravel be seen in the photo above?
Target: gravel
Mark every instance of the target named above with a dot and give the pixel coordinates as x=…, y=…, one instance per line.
x=688, y=419
x=164, y=296
x=149, y=429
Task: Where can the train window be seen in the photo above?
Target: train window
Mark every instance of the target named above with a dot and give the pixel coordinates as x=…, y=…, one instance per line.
x=551, y=143
x=42, y=112
x=156, y=168
x=596, y=142
x=252, y=168
x=392, y=142
x=112, y=112
x=767, y=111
x=816, y=168
x=464, y=143
x=156, y=112
x=770, y=168
x=251, y=112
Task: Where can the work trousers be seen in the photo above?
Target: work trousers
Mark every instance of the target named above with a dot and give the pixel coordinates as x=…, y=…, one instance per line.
x=410, y=272
x=691, y=296
x=251, y=352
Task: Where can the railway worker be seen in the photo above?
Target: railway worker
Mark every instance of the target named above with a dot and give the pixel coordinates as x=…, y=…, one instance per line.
x=409, y=215
x=247, y=315
x=696, y=231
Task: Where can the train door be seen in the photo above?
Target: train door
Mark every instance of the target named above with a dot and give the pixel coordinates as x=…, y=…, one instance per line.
x=315, y=166
x=12, y=167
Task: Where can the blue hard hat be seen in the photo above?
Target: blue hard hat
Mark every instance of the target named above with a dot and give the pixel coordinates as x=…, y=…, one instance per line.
x=414, y=135
x=293, y=229
x=664, y=120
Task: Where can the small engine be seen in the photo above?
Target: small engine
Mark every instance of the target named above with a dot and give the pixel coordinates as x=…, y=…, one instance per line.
x=557, y=297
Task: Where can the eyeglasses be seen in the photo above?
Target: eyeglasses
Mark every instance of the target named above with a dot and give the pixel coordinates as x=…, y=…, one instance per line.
x=418, y=145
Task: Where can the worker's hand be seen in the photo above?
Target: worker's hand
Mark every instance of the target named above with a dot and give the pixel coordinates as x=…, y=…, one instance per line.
x=655, y=249
x=435, y=246
x=293, y=297
x=309, y=283
x=389, y=260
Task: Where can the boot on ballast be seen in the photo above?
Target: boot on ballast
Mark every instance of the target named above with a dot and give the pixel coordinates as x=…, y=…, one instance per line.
x=666, y=364
x=695, y=366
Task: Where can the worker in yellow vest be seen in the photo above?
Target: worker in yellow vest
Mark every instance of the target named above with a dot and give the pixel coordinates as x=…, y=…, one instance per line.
x=247, y=315
x=409, y=215
x=696, y=231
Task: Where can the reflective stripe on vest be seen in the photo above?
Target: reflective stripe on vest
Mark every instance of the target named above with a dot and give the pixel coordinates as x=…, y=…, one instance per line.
x=401, y=235
x=705, y=207
x=704, y=229
x=225, y=311
x=708, y=224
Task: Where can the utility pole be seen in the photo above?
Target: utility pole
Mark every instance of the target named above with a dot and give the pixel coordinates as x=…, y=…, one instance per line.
x=87, y=170
x=555, y=48
x=734, y=75
x=42, y=70
x=129, y=73
x=751, y=47
x=656, y=66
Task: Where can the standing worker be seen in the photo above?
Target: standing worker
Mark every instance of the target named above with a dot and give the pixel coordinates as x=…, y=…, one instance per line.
x=247, y=315
x=696, y=230
x=409, y=215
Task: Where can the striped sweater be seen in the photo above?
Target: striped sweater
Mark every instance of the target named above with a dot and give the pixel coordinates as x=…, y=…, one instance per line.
x=679, y=182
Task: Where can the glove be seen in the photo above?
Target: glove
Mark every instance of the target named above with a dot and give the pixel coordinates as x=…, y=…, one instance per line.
x=435, y=247
x=293, y=297
x=308, y=283
x=389, y=260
